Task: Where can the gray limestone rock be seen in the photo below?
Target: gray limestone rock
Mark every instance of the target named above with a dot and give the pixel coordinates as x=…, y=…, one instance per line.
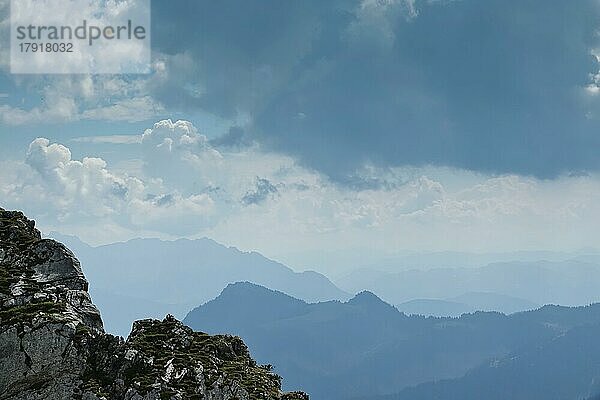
x=53, y=345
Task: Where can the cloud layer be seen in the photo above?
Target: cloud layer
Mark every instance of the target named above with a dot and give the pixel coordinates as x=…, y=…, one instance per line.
x=490, y=86
x=493, y=87
x=269, y=202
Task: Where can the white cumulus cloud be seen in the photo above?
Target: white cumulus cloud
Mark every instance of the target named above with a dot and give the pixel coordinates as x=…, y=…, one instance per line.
x=266, y=201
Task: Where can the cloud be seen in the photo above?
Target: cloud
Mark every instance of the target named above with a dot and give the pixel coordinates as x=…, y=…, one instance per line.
x=234, y=137
x=178, y=154
x=173, y=213
x=466, y=84
x=375, y=20
x=131, y=110
x=260, y=200
x=59, y=109
x=74, y=186
x=339, y=85
x=112, y=139
x=168, y=136
x=424, y=193
x=264, y=190
x=50, y=182
x=70, y=98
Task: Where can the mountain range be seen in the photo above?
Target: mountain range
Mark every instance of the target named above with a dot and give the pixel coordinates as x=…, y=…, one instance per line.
x=164, y=277
x=145, y=278
x=466, y=303
x=53, y=344
x=566, y=367
x=517, y=283
x=365, y=348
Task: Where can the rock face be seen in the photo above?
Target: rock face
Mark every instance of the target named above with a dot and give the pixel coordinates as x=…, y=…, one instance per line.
x=53, y=345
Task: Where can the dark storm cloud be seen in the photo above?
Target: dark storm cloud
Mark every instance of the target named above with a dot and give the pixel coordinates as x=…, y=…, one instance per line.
x=234, y=137
x=492, y=86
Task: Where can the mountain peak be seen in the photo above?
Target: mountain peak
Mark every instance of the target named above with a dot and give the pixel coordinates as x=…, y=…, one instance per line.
x=16, y=229
x=41, y=277
x=366, y=298
x=54, y=345
x=244, y=286
x=251, y=291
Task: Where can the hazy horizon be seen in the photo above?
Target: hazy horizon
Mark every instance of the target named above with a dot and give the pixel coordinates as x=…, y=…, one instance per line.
x=339, y=264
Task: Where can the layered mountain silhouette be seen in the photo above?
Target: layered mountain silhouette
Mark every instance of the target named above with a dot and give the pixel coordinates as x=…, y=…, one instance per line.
x=506, y=287
x=145, y=278
x=365, y=348
x=566, y=367
x=466, y=303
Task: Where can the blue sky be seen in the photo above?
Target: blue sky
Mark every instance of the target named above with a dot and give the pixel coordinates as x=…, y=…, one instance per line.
x=367, y=125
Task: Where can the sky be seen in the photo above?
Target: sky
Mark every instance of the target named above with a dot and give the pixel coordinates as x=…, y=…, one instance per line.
x=318, y=131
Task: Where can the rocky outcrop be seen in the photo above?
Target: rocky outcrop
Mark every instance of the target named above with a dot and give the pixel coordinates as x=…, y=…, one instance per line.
x=53, y=345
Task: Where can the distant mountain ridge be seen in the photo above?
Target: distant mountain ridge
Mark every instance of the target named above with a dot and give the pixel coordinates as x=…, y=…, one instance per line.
x=573, y=282
x=365, y=347
x=435, y=308
x=466, y=303
x=564, y=368
x=145, y=278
